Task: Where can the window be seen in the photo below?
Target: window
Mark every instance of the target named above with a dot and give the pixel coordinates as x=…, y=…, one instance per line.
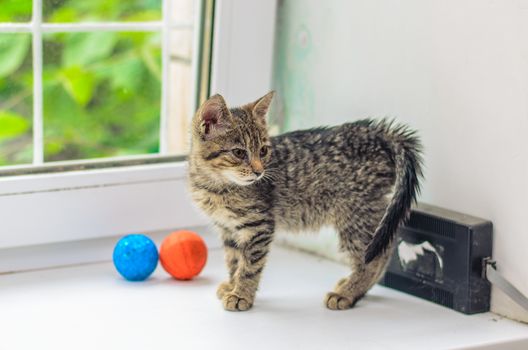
x=95, y=102
x=120, y=189
x=99, y=78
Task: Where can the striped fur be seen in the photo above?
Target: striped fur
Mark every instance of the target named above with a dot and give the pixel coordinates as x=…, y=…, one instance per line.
x=360, y=178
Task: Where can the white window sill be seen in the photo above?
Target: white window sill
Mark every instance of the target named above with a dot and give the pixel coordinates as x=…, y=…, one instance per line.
x=89, y=204
x=90, y=307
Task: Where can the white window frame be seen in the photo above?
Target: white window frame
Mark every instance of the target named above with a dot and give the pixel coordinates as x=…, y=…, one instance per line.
x=77, y=205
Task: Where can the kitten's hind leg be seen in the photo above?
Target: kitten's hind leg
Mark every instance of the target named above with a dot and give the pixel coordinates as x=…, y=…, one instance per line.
x=350, y=289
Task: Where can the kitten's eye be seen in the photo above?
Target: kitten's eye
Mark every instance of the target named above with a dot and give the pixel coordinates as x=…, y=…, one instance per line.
x=239, y=153
x=263, y=151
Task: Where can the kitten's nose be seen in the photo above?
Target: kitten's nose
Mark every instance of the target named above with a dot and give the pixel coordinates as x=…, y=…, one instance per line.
x=256, y=167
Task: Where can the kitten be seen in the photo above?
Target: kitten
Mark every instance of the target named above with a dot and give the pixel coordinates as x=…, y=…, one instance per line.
x=360, y=178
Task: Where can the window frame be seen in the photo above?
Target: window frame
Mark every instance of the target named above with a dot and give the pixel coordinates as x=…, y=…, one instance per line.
x=87, y=203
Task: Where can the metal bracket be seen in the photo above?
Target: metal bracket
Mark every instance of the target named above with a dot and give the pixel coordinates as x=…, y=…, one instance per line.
x=490, y=273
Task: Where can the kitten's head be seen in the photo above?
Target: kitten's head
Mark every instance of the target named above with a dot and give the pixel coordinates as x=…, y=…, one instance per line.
x=231, y=145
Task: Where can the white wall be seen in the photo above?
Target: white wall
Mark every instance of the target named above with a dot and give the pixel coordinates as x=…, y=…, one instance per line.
x=457, y=70
x=243, y=49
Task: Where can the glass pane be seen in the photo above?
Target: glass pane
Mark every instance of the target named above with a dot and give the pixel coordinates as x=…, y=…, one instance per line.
x=102, y=93
x=181, y=98
x=15, y=10
x=181, y=77
x=101, y=10
x=16, y=99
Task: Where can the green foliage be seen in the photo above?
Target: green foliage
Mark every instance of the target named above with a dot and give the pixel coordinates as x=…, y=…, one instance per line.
x=101, y=90
x=13, y=49
x=12, y=124
x=105, y=102
x=93, y=46
x=78, y=83
x=95, y=10
x=16, y=108
x=15, y=10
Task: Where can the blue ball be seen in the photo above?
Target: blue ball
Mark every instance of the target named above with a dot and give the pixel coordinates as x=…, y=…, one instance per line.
x=135, y=257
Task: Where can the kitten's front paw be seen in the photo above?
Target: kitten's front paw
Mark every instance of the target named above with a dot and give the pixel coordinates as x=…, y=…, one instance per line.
x=223, y=289
x=342, y=282
x=233, y=302
x=335, y=301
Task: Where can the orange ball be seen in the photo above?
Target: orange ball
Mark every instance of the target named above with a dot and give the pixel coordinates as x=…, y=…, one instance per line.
x=183, y=254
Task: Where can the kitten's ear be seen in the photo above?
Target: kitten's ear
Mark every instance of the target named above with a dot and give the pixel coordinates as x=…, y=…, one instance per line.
x=213, y=117
x=261, y=106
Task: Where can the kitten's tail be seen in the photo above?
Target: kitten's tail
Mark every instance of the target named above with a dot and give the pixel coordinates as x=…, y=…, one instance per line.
x=407, y=157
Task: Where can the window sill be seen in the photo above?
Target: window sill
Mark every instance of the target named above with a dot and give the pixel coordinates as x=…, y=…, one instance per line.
x=88, y=204
x=91, y=305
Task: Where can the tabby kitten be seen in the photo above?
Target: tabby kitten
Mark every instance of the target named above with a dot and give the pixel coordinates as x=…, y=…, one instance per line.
x=360, y=178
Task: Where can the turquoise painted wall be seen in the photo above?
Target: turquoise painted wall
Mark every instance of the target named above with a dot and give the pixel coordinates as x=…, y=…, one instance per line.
x=294, y=58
